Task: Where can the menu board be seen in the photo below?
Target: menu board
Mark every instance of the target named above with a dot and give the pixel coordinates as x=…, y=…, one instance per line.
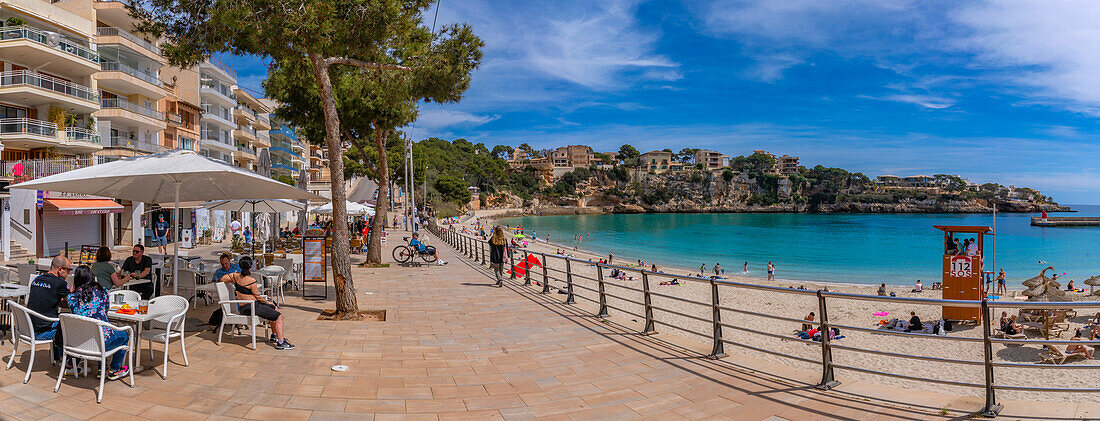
x=87, y=254
x=314, y=251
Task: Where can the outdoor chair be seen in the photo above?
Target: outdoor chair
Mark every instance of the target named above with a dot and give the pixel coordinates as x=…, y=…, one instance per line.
x=1057, y=356
x=233, y=318
x=22, y=330
x=133, y=298
x=289, y=274
x=84, y=339
x=26, y=272
x=189, y=282
x=274, y=275
x=167, y=327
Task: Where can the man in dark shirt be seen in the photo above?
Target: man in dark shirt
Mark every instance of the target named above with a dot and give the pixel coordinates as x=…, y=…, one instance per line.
x=160, y=231
x=139, y=266
x=915, y=324
x=47, y=292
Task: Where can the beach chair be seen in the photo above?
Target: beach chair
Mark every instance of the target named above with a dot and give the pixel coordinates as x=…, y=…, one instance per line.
x=1057, y=356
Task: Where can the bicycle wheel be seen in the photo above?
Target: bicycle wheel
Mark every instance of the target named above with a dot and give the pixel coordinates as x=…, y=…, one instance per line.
x=429, y=257
x=401, y=254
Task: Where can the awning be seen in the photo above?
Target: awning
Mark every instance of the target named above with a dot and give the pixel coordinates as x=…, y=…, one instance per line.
x=85, y=206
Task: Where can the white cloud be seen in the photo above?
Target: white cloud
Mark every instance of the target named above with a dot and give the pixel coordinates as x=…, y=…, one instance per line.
x=926, y=101
x=435, y=119
x=770, y=68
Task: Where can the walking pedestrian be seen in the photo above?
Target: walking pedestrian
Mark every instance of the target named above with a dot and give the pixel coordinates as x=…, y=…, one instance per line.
x=497, y=246
x=1001, y=290
x=771, y=271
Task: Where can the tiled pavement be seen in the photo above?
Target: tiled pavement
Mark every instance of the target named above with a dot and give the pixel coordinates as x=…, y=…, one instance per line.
x=453, y=347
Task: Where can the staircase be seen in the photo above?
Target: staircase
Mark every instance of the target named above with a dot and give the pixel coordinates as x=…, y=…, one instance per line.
x=18, y=254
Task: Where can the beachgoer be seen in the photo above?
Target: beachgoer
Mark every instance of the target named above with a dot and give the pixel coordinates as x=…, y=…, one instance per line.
x=139, y=266
x=1005, y=320
x=1001, y=282
x=89, y=299
x=717, y=269
x=47, y=291
x=103, y=269
x=972, y=249
x=914, y=323
x=958, y=248
x=245, y=286
x=1011, y=328
x=950, y=248
x=745, y=268
x=703, y=268
x=1079, y=349
x=771, y=271
x=654, y=269
x=496, y=254
x=808, y=326
x=882, y=289
x=918, y=287
x=160, y=234
x=1069, y=286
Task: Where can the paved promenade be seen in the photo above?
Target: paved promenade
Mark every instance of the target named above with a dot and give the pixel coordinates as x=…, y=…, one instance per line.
x=452, y=347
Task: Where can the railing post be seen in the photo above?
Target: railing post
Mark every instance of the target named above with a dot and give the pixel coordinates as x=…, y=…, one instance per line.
x=992, y=408
x=512, y=262
x=484, y=247
x=719, y=349
x=603, y=297
x=527, y=273
x=649, y=330
x=568, y=282
x=545, y=277
x=827, y=379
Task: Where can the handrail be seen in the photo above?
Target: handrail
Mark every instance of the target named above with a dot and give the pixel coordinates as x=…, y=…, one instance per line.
x=41, y=37
x=122, y=103
x=81, y=134
x=114, y=66
x=110, y=31
x=474, y=248
x=26, y=77
x=28, y=126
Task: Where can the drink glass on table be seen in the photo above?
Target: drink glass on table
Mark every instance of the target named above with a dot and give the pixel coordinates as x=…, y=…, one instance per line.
x=143, y=306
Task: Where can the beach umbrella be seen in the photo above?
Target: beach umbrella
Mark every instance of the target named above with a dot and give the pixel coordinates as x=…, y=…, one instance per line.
x=1042, y=288
x=1093, y=281
x=264, y=206
x=168, y=177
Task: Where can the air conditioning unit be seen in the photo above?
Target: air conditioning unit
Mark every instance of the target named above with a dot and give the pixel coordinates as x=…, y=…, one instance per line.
x=53, y=38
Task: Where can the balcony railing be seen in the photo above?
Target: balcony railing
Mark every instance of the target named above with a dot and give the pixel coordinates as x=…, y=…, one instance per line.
x=81, y=134
x=24, y=77
x=41, y=37
x=225, y=68
x=107, y=31
x=121, y=103
x=247, y=129
x=28, y=126
x=174, y=118
x=31, y=169
x=218, y=87
x=121, y=142
x=220, y=136
x=246, y=149
x=114, y=66
x=264, y=118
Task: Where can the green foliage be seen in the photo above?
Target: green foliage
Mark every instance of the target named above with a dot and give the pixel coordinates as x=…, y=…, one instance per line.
x=755, y=163
x=696, y=178
x=728, y=175
x=656, y=196
x=769, y=183
x=523, y=184
x=14, y=21
x=628, y=152
x=686, y=155
x=763, y=199
x=950, y=182
x=286, y=179
x=604, y=158
x=453, y=189
x=619, y=174
x=503, y=151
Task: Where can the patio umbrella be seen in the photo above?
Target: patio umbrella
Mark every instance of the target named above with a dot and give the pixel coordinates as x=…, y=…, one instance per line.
x=256, y=205
x=168, y=177
x=354, y=209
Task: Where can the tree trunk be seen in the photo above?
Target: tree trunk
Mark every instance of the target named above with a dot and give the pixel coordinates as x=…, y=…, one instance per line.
x=346, y=306
x=374, y=250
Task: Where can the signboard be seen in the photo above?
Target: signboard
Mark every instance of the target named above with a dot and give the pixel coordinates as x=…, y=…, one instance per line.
x=87, y=254
x=313, y=258
x=962, y=267
x=47, y=194
x=187, y=239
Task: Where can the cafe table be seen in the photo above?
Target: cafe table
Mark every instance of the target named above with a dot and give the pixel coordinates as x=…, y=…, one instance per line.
x=137, y=319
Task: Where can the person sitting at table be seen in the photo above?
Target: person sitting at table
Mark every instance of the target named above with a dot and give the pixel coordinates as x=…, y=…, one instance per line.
x=104, y=271
x=227, y=266
x=139, y=266
x=89, y=299
x=47, y=292
x=245, y=286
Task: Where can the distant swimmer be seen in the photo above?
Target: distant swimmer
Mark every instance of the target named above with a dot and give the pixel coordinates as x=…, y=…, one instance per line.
x=1042, y=262
x=745, y=268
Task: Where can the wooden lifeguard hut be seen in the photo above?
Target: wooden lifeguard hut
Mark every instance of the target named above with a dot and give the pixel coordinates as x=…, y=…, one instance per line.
x=963, y=272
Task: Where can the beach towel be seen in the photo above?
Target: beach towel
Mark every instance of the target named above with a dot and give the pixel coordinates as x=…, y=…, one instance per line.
x=881, y=314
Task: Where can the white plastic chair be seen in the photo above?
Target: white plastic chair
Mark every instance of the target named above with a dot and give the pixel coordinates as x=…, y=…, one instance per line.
x=232, y=318
x=22, y=330
x=133, y=298
x=275, y=275
x=188, y=282
x=167, y=327
x=289, y=274
x=299, y=261
x=84, y=339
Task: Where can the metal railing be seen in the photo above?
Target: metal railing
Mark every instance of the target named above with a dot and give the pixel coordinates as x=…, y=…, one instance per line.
x=219, y=112
x=28, y=126
x=224, y=67
x=216, y=86
x=246, y=149
x=30, y=169
x=25, y=77
x=114, y=66
x=109, y=31
x=41, y=37
x=220, y=136
x=122, y=142
x=565, y=281
x=121, y=103
x=80, y=134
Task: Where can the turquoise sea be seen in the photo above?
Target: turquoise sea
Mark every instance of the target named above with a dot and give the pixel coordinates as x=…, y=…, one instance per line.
x=853, y=248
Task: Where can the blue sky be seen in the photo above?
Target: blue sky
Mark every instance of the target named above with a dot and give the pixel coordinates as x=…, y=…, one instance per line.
x=1003, y=91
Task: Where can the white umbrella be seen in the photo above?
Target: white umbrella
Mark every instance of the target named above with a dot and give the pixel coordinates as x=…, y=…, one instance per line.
x=353, y=208
x=168, y=177
x=264, y=206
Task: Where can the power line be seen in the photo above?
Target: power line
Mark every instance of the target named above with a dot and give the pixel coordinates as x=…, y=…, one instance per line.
x=436, y=15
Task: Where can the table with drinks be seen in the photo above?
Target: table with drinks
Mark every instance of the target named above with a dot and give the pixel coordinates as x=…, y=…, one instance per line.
x=140, y=315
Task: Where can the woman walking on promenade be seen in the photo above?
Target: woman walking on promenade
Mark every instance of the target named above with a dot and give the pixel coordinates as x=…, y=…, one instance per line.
x=496, y=254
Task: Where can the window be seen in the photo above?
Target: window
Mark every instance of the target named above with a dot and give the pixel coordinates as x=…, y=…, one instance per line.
x=12, y=112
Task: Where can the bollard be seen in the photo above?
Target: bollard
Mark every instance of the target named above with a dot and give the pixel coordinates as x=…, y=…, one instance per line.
x=545, y=278
x=827, y=379
x=603, y=296
x=512, y=262
x=719, y=349
x=568, y=282
x=649, y=330
x=992, y=408
x=527, y=273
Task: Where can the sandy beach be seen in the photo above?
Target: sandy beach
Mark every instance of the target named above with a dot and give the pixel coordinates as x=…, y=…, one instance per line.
x=841, y=312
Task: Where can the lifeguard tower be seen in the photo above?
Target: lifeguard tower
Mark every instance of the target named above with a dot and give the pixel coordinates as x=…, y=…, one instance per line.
x=962, y=273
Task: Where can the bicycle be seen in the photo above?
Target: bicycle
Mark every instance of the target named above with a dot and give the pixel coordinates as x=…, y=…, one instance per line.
x=404, y=252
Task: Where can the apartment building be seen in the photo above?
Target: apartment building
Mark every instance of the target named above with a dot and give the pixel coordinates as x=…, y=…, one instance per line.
x=656, y=162
x=711, y=160
x=217, y=100
x=319, y=177
x=572, y=156
x=785, y=165
x=181, y=111
x=287, y=149
x=251, y=132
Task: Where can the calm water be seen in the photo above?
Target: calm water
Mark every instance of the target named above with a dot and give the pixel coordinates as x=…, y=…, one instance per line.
x=856, y=248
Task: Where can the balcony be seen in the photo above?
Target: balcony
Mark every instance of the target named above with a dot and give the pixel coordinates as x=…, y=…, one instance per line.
x=264, y=122
x=218, y=139
x=108, y=31
x=244, y=112
x=79, y=135
x=246, y=133
x=245, y=153
x=26, y=133
x=136, y=145
x=213, y=90
x=31, y=88
x=38, y=168
x=219, y=115
x=120, y=108
x=232, y=74
x=42, y=50
x=120, y=77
